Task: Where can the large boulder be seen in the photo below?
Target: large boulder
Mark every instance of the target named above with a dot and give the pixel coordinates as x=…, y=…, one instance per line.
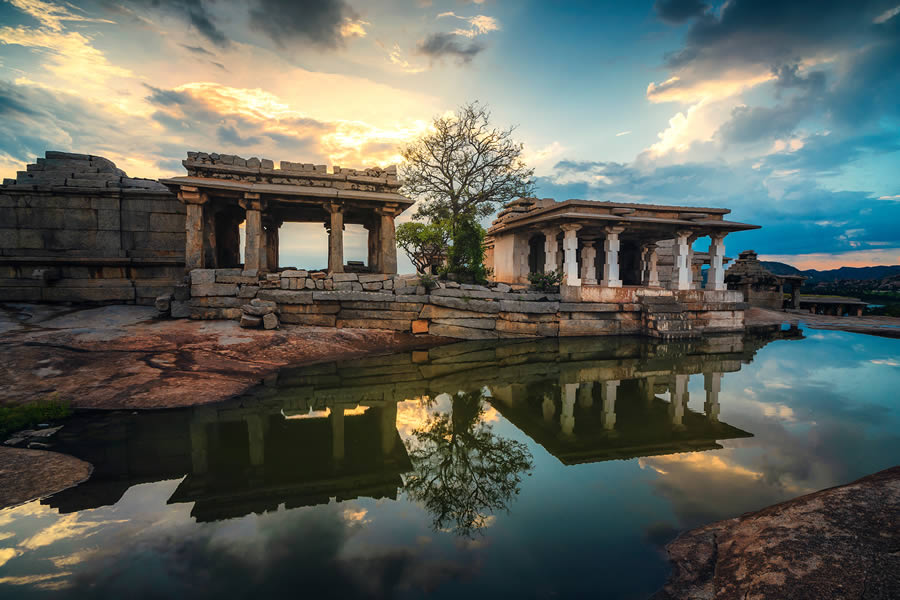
x=837, y=543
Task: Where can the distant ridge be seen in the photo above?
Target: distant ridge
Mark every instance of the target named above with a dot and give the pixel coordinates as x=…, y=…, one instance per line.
x=832, y=275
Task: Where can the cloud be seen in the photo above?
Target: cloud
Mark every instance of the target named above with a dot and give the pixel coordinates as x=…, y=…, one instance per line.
x=478, y=25
x=197, y=50
x=679, y=11
x=196, y=13
x=440, y=45
x=322, y=23
x=52, y=16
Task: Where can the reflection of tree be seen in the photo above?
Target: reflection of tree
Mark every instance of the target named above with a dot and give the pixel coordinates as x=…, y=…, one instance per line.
x=462, y=470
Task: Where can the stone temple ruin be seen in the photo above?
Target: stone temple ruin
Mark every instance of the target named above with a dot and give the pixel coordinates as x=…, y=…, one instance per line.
x=74, y=228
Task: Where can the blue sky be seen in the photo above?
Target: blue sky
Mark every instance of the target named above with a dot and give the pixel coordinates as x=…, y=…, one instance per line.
x=786, y=112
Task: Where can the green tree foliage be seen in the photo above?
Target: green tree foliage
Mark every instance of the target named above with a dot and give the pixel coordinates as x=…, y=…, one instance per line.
x=424, y=243
x=466, y=256
x=463, y=471
x=464, y=167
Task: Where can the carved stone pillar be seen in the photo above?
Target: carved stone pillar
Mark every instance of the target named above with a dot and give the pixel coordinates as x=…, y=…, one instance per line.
x=387, y=247
x=586, y=394
x=715, y=279
x=194, y=227
x=551, y=247
x=649, y=270
x=335, y=237
x=373, y=229
x=588, y=263
x=272, y=241
x=712, y=383
x=255, y=258
x=570, y=254
x=681, y=270
x=567, y=416
x=611, y=264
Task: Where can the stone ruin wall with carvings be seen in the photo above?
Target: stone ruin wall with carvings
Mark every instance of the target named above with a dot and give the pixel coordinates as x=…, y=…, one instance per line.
x=75, y=228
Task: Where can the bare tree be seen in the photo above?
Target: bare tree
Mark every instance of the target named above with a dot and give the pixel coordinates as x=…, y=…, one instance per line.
x=465, y=167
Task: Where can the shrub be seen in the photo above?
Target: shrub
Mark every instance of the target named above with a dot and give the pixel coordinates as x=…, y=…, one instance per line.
x=545, y=281
x=22, y=416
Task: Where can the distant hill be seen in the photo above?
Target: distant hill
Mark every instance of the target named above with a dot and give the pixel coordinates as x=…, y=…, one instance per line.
x=832, y=275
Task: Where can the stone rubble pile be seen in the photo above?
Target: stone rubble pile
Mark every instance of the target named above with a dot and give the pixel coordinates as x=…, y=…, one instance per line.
x=65, y=169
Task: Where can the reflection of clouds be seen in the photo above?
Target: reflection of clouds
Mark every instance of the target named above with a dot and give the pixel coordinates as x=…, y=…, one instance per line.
x=698, y=461
x=7, y=554
x=885, y=361
x=68, y=526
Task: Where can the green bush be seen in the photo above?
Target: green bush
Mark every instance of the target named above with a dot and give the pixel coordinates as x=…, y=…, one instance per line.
x=545, y=281
x=23, y=416
x=465, y=259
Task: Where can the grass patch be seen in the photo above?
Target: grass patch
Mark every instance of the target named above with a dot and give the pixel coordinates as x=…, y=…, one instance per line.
x=24, y=416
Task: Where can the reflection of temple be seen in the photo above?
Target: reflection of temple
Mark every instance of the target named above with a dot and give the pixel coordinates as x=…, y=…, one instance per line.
x=330, y=430
x=240, y=457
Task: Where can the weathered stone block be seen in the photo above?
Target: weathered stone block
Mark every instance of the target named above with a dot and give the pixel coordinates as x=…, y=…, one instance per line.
x=250, y=322
x=463, y=333
x=319, y=308
x=399, y=325
x=529, y=307
x=309, y=319
x=294, y=273
x=430, y=311
x=375, y=315
x=257, y=311
x=270, y=321
x=420, y=326
x=372, y=277
x=214, y=289
x=338, y=277
x=344, y=295
x=488, y=323
x=180, y=309
x=286, y=296
x=248, y=291
x=163, y=303
x=464, y=304
x=372, y=287
x=199, y=276
x=182, y=292
x=216, y=302
x=479, y=292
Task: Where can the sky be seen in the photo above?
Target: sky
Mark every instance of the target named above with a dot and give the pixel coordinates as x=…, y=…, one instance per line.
x=786, y=112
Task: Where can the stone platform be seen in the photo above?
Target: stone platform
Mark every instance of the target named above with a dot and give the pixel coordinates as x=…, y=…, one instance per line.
x=497, y=311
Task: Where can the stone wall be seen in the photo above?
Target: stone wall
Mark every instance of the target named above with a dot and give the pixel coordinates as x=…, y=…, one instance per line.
x=74, y=228
x=402, y=303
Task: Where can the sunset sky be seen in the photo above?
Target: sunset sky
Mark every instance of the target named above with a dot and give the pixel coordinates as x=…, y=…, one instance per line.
x=786, y=112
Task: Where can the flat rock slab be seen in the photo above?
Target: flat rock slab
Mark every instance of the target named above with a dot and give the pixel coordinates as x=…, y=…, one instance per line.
x=837, y=543
x=129, y=362
x=30, y=474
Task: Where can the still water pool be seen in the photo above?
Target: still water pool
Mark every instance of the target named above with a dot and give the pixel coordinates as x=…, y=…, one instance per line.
x=544, y=469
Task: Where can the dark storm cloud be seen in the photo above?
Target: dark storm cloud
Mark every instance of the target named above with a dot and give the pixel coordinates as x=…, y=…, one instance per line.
x=441, y=45
x=829, y=154
x=197, y=13
x=679, y=11
x=317, y=22
x=773, y=32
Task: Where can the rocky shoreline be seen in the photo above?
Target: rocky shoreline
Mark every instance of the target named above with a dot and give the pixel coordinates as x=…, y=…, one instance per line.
x=836, y=543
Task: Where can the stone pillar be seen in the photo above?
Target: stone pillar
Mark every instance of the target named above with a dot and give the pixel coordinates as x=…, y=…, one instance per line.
x=567, y=417
x=678, y=400
x=608, y=416
x=194, y=227
x=611, y=264
x=586, y=395
x=570, y=256
x=795, y=295
x=255, y=258
x=649, y=270
x=521, y=250
x=335, y=237
x=337, y=433
x=681, y=270
x=715, y=278
x=272, y=226
x=388, y=427
x=712, y=383
x=387, y=247
x=588, y=263
x=373, y=238
x=550, y=249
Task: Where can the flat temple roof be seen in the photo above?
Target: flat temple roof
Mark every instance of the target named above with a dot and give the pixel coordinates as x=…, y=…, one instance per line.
x=287, y=190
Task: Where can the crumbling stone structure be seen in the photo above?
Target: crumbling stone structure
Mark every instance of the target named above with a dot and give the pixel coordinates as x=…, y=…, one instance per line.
x=222, y=190
x=759, y=286
x=74, y=228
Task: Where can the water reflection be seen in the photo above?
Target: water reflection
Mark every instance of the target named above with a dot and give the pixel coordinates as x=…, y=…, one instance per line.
x=331, y=430
x=441, y=472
